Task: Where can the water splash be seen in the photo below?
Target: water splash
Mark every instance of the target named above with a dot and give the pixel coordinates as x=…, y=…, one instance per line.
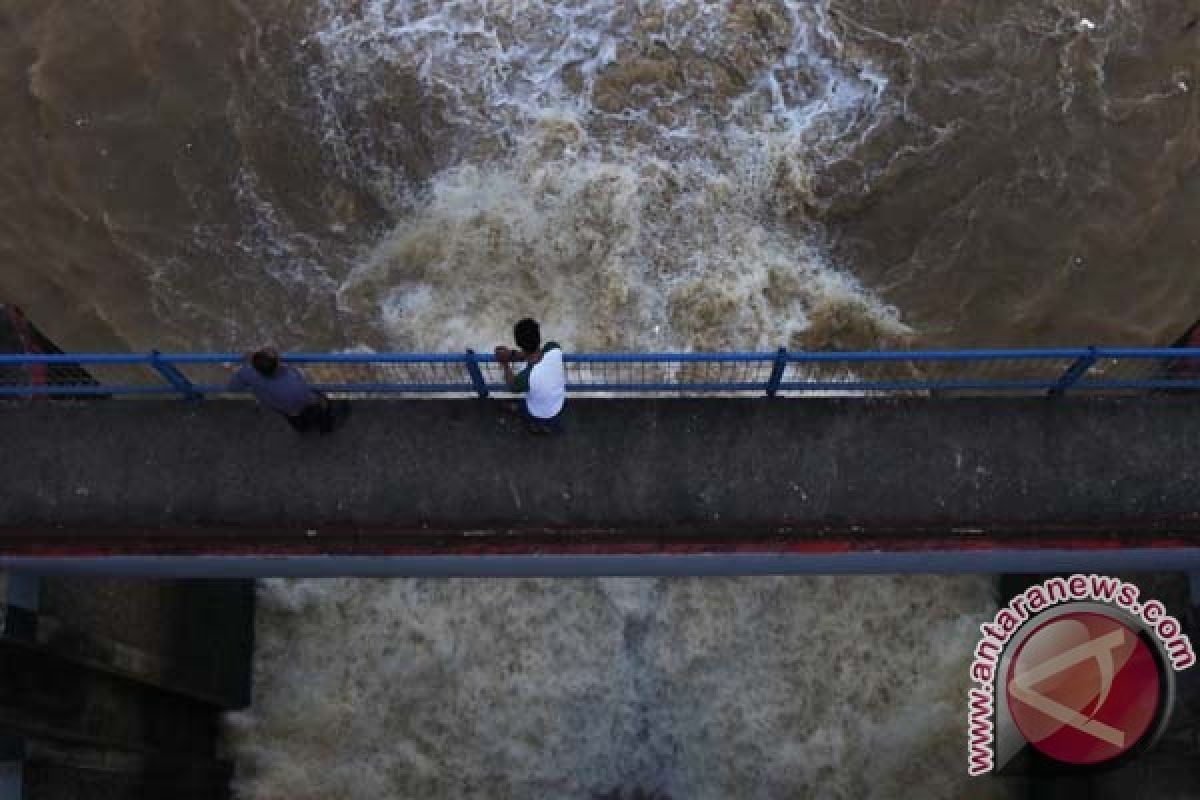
x=621, y=171
x=698, y=688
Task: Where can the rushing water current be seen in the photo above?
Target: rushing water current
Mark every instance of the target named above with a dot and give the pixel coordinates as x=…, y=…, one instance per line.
x=651, y=174
x=667, y=173
x=684, y=688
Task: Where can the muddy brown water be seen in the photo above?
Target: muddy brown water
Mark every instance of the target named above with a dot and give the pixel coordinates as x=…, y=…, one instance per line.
x=211, y=172
x=200, y=174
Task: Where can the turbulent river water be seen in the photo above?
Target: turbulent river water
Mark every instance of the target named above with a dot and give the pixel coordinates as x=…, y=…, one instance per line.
x=211, y=174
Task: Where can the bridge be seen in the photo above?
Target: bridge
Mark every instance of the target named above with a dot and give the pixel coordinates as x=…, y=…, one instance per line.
x=736, y=463
x=141, y=466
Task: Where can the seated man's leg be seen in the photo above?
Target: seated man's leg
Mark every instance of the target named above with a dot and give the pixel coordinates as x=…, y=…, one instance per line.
x=311, y=416
x=532, y=423
x=320, y=413
x=325, y=417
x=542, y=424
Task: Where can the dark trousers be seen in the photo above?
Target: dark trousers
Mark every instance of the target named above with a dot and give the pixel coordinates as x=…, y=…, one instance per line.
x=317, y=415
x=543, y=425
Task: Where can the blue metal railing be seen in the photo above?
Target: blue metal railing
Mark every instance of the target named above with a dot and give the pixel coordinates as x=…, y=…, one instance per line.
x=1045, y=371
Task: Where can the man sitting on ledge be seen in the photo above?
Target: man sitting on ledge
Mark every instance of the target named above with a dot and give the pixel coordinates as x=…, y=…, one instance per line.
x=544, y=379
x=284, y=389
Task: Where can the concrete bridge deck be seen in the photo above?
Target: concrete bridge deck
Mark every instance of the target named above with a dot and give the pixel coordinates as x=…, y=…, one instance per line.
x=631, y=479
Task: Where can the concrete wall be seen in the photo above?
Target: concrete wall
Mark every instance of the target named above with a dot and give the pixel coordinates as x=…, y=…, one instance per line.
x=460, y=464
x=113, y=688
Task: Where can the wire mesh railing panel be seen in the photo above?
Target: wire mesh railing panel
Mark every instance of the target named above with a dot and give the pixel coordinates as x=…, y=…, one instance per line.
x=1138, y=373
x=799, y=374
x=1013, y=375
x=493, y=372
x=208, y=377
x=808, y=378
x=921, y=373
x=597, y=375
x=406, y=377
x=742, y=375
x=81, y=376
x=353, y=375
x=673, y=375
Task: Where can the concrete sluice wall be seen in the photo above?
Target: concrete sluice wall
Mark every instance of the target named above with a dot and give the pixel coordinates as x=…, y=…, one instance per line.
x=113, y=688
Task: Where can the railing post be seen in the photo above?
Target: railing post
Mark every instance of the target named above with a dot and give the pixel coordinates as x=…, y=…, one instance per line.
x=174, y=377
x=476, y=374
x=1075, y=372
x=781, y=359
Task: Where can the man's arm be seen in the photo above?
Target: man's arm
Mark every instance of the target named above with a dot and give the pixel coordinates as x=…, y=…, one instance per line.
x=506, y=356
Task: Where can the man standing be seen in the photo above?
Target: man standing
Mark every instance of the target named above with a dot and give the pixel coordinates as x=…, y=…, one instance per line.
x=283, y=389
x=544, y=379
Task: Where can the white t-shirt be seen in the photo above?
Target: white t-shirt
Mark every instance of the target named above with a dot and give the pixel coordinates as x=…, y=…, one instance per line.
x=547, y=384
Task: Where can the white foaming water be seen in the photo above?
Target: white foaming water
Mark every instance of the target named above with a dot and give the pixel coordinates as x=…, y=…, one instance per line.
x=622, y=170
x=695, y=688
x=604, y=254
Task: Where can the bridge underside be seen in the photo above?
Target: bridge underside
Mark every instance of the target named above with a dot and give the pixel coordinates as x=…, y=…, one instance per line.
x=709, y=486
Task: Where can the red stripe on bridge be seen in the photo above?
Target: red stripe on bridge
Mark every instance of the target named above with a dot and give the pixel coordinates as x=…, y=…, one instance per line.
x=343, y=540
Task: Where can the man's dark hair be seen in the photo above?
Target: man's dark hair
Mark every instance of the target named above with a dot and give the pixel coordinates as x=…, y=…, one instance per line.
x=265, y=363
x=528, y=335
